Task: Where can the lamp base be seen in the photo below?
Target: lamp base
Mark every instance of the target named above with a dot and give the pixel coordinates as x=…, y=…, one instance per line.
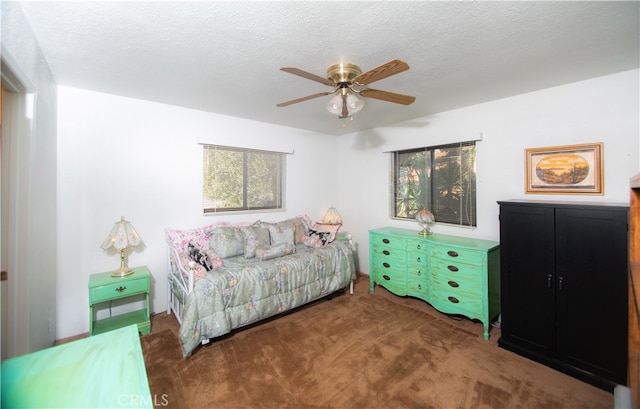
x=122, y=272
x=425, y=232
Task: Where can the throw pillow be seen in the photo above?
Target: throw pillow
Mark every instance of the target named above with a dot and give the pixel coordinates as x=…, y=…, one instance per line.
x=200, y=258
x=226, y=241
x=255, y=237
x=300, y=226
x=281, y=234
x=324, y=236
x=276, y=250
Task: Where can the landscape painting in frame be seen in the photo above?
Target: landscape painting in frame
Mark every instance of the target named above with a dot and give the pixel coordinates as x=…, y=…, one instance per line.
x=571, y=169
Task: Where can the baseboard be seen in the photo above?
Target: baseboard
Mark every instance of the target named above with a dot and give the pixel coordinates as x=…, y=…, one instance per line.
x=70, y=339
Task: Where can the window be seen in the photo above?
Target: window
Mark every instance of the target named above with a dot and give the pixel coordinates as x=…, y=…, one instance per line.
x=441, y=179
x=237, y=179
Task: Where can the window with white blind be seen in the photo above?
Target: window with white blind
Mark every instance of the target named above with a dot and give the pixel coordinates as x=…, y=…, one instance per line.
x=441, y=179
x=237, y=179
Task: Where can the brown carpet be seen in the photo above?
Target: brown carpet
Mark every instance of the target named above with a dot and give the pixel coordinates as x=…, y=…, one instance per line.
x=356, y=351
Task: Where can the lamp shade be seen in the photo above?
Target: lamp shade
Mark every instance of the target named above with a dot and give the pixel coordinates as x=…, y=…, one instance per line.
x=122, y=236
x=334, y=106
x=332, y=216
x=354, y=104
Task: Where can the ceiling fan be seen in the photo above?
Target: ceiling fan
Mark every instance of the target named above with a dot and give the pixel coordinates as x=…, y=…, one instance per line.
x=348, y=80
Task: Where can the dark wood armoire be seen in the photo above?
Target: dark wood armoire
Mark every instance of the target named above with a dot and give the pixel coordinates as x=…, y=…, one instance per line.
x=564, y=286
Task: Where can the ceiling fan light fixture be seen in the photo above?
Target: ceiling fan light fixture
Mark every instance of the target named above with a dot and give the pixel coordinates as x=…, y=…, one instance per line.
x=334, y=106
x=354, y=104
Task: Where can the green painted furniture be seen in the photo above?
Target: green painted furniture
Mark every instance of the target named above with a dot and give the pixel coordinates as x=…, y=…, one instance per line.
x=104, y=288
x=456, y=275
x=105, y=371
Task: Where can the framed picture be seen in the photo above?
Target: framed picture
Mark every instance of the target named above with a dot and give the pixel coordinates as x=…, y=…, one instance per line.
x=571, y=169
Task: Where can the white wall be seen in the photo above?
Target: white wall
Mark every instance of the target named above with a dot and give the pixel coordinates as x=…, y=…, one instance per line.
x=120, y=156
x=604, y=109
x=125, y=157
x=32, y=190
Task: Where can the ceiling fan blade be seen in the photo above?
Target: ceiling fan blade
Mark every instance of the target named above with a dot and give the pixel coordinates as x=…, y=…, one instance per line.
x=385, y=70
x=307, y=75
x=308, y=97
x=388, y=96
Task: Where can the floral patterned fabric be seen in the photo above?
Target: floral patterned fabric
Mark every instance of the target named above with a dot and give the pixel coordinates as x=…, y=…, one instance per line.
x=255, y=237
x=277, y=250
x=244, y=291
x=227, y=241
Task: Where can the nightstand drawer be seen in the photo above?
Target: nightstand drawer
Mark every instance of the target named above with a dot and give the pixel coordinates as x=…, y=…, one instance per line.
x=118, y=290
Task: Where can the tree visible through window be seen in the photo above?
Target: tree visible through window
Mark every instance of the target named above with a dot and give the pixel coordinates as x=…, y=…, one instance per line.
x=441, y=179
x=241, y=179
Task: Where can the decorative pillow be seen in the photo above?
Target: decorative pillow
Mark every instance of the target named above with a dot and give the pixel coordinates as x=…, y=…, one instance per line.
x=255, y=237
x=215, y=261
x=300, y=226
x=180, y=239
x=327, y=228
x=198, y=270
x=324, y=236
x=281, y=234
x=227, y=241
x=276, y=250
x=199, y=257
x=313, y=241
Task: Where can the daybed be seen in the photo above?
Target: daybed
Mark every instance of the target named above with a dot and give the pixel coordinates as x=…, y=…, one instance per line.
x=223, y=276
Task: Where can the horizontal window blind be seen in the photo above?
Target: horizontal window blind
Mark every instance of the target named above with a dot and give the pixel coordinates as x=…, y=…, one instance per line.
x=441, y=179
x=236, y=179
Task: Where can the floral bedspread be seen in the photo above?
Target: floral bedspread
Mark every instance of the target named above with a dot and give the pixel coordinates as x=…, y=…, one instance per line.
x=245, y=290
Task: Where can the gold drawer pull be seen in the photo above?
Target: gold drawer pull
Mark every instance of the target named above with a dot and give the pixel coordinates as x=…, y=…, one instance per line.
x=386, y=265
x=452, y=268
x=386, y=277
x=385, y=241
x=453, y=300
x=121, y=289
x=452, y=253
x=453, y=284
x=386, y=252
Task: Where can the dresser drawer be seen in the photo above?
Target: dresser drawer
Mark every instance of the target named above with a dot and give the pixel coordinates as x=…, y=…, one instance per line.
x=417, y=260
x=417, y=289
x=452, y=269
x=386, y=253
x=417, y=246
x=456, y=254
x=396, y=282
x=389, y=242
x=464, y=299
x=118, y=290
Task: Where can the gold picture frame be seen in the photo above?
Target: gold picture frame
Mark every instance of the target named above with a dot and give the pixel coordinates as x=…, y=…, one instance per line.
x=569, y=169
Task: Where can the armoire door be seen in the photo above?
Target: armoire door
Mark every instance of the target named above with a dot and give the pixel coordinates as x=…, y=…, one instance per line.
x=528, y=278
x=591, y=269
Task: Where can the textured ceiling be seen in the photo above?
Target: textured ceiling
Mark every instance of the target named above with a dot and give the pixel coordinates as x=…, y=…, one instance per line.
x=224, y=57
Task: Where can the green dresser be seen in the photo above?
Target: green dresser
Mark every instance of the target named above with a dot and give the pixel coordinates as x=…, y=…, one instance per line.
x=456, y=275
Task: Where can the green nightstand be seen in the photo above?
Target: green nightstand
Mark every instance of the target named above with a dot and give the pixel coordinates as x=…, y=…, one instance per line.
x=104, y=288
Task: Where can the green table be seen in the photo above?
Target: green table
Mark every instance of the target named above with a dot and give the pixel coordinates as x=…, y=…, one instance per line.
x=103, y=288
x=103, y=371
